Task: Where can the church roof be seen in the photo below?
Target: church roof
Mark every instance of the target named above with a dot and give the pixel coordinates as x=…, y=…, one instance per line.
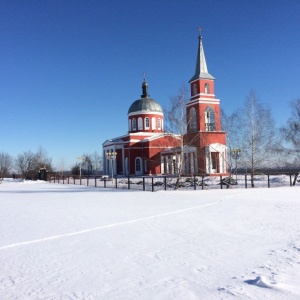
x=201, y=67
x=145, y=104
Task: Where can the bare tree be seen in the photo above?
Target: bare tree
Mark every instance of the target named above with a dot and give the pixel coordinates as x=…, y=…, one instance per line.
x=6, y=164
x=178, y=122
x=229, y=124
x=85, y=164
x=256, y=135
x=96, y=161
x=291, y=134
x=89, y=163
x=176, y=118
x=42, y=160
x=25, y=163
x=60, y=167
x=75, y=170
x=29, y=163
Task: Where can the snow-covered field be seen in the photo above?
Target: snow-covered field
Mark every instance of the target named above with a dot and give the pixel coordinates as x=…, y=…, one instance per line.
x=77, y=242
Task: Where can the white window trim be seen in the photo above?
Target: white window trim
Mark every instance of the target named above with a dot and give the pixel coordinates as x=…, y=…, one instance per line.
x=153, y=123
x=145, y=121
x=140, y=123
x=134, y=124
x=159, y=123
x=140, y=172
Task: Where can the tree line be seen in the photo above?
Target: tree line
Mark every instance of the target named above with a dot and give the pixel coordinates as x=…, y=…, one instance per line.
x=252, y=132
x=88, y=164
x=253, y=140
x=28, y=164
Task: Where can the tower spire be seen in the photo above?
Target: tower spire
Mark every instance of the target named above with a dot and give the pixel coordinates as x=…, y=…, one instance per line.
x=201, y=67
x=145, y=88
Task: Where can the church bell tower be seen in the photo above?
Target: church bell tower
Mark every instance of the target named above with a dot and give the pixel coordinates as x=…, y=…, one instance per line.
x=203, y=119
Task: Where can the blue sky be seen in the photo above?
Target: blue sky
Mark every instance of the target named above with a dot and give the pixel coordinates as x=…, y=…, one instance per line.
x=71, y=69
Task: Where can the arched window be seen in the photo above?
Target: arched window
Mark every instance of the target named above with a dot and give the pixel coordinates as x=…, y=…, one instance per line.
x=214, y=160
x=153, y=123
x=133, y=124
x=147, y=123
x=210, y=123
x=140, y=124
x=206, y=88
x=194, y=89
x=158, y=124
x=138, y=166
x=129, y=125
x=193, y=120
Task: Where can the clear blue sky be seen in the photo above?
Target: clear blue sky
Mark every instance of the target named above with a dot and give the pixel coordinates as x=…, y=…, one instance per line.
x=69, y=70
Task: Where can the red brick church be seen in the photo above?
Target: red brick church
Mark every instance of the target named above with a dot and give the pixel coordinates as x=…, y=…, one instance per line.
x=148, y=149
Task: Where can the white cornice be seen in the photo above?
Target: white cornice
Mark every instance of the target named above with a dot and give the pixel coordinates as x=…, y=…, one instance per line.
x=145, y=113
x=206, y=101
x=142, y=133
x=204, y=94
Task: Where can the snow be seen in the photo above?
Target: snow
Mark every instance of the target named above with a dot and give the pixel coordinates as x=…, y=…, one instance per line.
x=76, y=242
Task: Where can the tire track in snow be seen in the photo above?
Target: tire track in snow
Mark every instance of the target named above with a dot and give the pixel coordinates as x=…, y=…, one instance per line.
x=54, y=237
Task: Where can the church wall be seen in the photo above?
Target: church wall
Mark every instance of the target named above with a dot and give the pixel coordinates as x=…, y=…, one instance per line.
x=149, y=152
x=199, y=87
x=153, y=125
x=119, y=161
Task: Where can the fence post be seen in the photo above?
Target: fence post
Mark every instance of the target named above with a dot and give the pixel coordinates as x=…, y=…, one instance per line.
x=194, y=182
x=152, y=184
x=105, y=182
x=95, y=181
x=202, y=182
x=128, y=182
x=221, y=183
x=143, y=183
x=291, y=180
x=68, y=180
x=245, y=180
x=116, y=182
x=165, y=182
x=268, y=180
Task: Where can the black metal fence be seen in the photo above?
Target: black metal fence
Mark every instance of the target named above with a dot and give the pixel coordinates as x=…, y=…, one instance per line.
x=155, y=183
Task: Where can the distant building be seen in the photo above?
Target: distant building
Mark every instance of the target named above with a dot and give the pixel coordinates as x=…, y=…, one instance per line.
x=147, y=149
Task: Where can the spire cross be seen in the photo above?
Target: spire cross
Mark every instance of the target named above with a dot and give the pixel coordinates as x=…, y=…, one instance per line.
x=144, y=77
x=200, y=31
